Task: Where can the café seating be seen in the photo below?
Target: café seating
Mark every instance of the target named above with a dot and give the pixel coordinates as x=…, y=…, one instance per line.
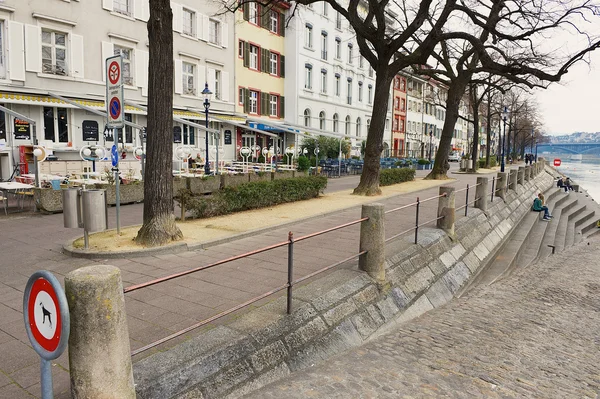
x=4, y=200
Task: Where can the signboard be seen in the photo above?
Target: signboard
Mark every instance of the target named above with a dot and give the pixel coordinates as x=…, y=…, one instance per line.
x=90, y=131
x=557, y=162
x=114, y=92
x=227, y=137
x=176, y=134
x=22, y=129
x=46, y=315
x=114, y=156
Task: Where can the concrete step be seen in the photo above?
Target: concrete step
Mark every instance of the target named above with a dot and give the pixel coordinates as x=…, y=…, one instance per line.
x=589, y=217
x=551, y=234
x=573, y=207
x=570, y=236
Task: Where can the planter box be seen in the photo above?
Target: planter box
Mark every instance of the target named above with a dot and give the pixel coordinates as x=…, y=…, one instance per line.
x=264, y=176
x=178, y=184
x=234, y=180
x=48, y=200
x=288, y=174
x=199, y=185
x=128, y=193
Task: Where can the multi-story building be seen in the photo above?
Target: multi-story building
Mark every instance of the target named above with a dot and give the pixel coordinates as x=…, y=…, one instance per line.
x=399, y=116
x=330, y=85
x=415, y=144
x=54, y=48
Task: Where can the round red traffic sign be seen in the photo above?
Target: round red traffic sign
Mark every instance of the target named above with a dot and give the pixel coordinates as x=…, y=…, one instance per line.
x=114, y=72
x=557, y=162
x=46, y=315
x=115, y=108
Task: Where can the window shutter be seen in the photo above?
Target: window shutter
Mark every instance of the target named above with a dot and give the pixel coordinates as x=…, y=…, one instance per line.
x=225, y=86
x=107, y=51
x=282, y=24
x=107, y=5
x=246, y=100
x=281, y=107
x=177, y=17
x=201, y=78
x=246, y=54
x=198, y=25
x=205, y=27
x=178, y=77
x=264, y=103
x=211, y=80
x=33, y=48
x=141, y=68
x=246, y=9
x=264, y=17
x=137, y=9
x=224, y=34
x=77, y=63
x=16, y=51
x=282, y=66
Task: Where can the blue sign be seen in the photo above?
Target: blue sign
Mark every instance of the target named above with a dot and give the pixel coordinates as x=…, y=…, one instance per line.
x=114, y=155
x=115, y=108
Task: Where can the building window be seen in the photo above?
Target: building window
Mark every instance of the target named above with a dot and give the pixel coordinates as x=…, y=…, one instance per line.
x=338, y=48
x=128, y=130
x=214, y=31
x=349, y=91
x=360, y=92
x=361, y=62
x=253, y=96
x=273, y=101
x=189, y=17
x=122, y=7
x=370, y=71
x=402, y=85
x=253, y=57
x=324, y=45
x=2, y=64
x=336, y=123
x=56, y=125
x=189, y=135
x=54, y=52
x=274, y=58
x=241, y=49
x=338, y=21
x=307, y=117
x=189, y=78
x=397, y=83
x=322, y=123
x=347, y=127
x=126, y=68
x=402, y=105
x=324, y=81
x=350, y=56
x=325, y=9
x=241, y=96
x=358, y=127
x=397, y=103
x=370, y=94
x=253, y=13
x=396, y=124
x=217, y=88
x=308, y=34
x=308, y=76
x=338, y=85
x=274, y=21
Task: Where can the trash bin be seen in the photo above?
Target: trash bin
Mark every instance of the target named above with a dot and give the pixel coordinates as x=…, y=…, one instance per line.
x=93, y=206
x=71, y=208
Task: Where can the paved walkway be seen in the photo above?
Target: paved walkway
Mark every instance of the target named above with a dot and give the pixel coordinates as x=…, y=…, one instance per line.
x=33, y=242
x=533, y=335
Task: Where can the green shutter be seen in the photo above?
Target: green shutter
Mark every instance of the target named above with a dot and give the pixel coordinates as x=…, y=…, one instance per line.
x=282, y=24
x=264, y=17
x=282, y=66
x=246, y=100
x=264, y=103
x=246, y=54
x=267, y=68
x=281, y=108
x=246, y=9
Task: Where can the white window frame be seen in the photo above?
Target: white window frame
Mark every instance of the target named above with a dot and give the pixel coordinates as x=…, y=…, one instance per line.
x=308, y=39
x=253, y=97
x=308, y=77
x=123, y=7
x=323, y=82
x=323, y=45
x=54, y=68
x=274, y=21
x=307, y=117
x=273, y=105
x=218, y=94
x=214, y=31
x=322, y=121
x=349, y=88
x=274, y=63
x=338, y=49
x=360, y=92
x=189, y=18
x=253, y=13
x=370, y=93
x=55, y=124
x=127, y=78
x=338, y=21
x=188, y=70
x=338, y=86
x=253, y=57
x=350, y=56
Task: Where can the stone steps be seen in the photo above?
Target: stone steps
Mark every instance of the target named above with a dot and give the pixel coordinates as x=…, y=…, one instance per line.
x=563, y=223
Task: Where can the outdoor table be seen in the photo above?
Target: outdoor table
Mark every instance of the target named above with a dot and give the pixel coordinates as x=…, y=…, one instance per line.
x=13, y=187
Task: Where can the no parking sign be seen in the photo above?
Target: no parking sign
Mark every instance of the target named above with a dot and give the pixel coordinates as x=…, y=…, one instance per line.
x=114, y=92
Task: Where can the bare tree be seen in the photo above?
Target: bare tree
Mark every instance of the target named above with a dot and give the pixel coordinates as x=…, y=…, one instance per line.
x=159, y=222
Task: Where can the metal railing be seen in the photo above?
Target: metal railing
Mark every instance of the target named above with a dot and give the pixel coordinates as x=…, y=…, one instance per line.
x=467, y=203
x=417, y=206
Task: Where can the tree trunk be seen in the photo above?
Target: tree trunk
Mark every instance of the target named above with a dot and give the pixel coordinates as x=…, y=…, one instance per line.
x=159, y=222
x=369, y=180
x=455, y=93
x=488, y=131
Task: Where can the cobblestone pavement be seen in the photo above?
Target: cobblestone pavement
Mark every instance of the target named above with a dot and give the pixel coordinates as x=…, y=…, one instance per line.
x=532, y=335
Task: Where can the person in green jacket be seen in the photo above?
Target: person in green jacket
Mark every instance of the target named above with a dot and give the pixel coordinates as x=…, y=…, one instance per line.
x=538, y=206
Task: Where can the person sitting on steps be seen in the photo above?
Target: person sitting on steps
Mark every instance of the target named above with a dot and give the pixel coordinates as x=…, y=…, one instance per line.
x=568, y=184
x=538, y=206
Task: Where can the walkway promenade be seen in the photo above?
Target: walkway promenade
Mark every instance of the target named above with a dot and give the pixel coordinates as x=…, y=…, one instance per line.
x=532, y=335
x=32, y=243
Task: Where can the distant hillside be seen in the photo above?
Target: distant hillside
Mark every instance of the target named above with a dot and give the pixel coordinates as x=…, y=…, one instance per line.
x=578, y=137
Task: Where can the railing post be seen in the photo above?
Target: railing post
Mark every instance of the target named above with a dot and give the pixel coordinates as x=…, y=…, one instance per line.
x=99, y=353
x=481, y=194
x=512, y=178
x=290, y=271
x=520, y=176
x=446, y=208
x=501, y=184
x=467, y=201
x=417, y=221
x=528, y=172
x=372, y=240
x=493, y=187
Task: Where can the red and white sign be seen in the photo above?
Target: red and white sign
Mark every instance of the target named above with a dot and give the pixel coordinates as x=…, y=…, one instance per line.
x=114, y=92
x=45, y=319
x=557, y=162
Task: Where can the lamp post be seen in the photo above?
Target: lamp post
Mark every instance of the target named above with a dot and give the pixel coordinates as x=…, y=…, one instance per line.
x=504, y=116
x=535, y=158
x=430, y=140
x=206, y=94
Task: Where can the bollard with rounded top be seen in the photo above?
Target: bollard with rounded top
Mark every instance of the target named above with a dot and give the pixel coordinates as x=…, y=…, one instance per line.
x=520, y=175
x=372, y=239
x=528, y=172
x=512, y=179
x=99, y=353
x=501, y=182
x=446, y=207
x=481, y=194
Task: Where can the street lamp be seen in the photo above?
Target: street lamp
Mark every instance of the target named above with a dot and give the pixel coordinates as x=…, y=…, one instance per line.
x=206, y=94
x=535, y=158
x=504, y=116
x=430, y=139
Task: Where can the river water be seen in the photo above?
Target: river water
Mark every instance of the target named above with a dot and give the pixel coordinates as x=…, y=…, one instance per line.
x=586, y=174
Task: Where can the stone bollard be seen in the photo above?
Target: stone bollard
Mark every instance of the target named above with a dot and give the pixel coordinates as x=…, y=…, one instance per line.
x=501, y=183
x=481, y=194
x=528, y=172
x=512, y=180
x=446, y=208
x=520, y=175
x=99, y=353
x=372, y=239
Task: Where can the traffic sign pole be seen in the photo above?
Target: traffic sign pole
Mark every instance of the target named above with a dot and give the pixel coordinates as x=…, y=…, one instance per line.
x=114, y=155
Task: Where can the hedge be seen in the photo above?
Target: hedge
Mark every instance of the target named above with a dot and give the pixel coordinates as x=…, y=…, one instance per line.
x=253, y=195
x=387, y=177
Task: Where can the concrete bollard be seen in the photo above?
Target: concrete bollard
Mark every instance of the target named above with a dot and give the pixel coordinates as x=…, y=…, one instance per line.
x=528, y=172
x=520, y=175
x=446, y=208
x=481, y=194
x=512, y=180
x=501, y=183
x=372, y=239
x=99, y=353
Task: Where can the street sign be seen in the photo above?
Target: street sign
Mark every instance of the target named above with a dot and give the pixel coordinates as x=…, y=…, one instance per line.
x=556, y=162
x=114, y=92
x=114, y=156
x=46, y=314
